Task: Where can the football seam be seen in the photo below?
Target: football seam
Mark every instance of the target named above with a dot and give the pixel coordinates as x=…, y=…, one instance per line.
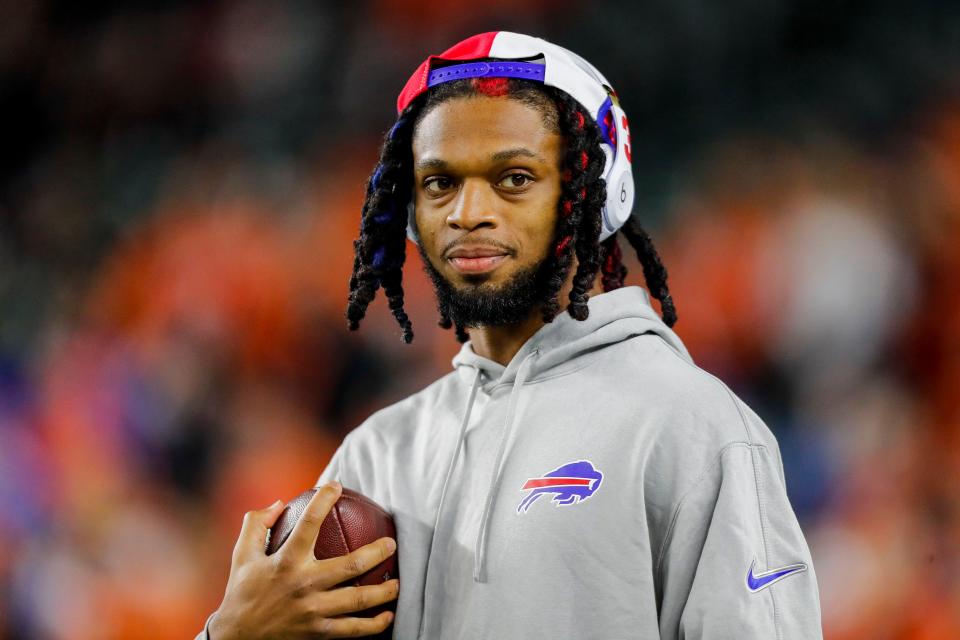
x=340, y=516
x=343, y=534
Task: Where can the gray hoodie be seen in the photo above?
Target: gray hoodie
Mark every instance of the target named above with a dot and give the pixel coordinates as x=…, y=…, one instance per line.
x=599, y=486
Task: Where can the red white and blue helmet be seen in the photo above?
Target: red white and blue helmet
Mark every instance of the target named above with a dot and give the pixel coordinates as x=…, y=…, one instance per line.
x=501, y=54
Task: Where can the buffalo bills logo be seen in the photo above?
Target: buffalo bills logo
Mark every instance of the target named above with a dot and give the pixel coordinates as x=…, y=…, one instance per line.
x=569, y=484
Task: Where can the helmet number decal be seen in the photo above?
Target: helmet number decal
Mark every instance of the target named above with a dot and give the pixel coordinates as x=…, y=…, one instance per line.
x=626, y=145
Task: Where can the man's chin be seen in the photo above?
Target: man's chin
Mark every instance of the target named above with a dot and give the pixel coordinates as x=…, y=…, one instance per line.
x=477, y=282
x=477, y=300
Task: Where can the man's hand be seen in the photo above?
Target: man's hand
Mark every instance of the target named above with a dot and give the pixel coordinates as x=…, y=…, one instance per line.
x=290, y=594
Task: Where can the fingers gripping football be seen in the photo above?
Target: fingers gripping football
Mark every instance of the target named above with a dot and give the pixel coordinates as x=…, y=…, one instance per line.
x=253, y=533
x=293, y=594
x=303, y=538
x=357, y=562
x=353, y=627
x=337, y=602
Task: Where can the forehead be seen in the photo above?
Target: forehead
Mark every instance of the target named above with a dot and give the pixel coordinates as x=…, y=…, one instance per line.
x=477, y=126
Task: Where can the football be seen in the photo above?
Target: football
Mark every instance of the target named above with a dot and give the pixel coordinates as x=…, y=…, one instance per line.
x=354, y=521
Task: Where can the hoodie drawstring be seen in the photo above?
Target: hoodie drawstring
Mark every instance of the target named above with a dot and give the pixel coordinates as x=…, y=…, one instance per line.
x=460, y=438
x=480, y=553
x=446, y=480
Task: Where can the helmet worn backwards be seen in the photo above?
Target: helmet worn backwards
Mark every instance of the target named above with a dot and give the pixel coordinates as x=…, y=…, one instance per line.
x=598, y=189
x=502, y=54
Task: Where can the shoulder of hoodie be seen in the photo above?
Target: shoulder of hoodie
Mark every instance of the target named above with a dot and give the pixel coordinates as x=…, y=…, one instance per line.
x=396, y=423
x=696, y=414
x=691, y=405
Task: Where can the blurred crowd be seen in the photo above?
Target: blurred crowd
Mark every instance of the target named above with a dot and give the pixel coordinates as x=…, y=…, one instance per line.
x=180, y=186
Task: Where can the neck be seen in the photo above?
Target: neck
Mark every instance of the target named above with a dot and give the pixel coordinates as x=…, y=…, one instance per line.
x=501, y=342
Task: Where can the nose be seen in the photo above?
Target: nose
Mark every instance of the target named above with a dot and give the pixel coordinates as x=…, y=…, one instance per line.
x=474, y=207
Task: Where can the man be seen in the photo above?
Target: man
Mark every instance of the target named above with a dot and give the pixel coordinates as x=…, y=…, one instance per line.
x=576, y=476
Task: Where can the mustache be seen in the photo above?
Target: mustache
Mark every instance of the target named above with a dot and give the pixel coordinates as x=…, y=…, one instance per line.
x=510, y=251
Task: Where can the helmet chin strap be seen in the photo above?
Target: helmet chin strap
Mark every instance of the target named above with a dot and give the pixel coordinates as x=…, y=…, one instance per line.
x=412, y=232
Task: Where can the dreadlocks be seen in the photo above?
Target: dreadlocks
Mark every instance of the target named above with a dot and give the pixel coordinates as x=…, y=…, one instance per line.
x=380, y=251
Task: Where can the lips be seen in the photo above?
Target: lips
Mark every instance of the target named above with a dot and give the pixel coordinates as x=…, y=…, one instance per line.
x=476, y=258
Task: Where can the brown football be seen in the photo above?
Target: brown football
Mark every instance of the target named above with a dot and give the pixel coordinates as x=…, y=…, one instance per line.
x=354, y=521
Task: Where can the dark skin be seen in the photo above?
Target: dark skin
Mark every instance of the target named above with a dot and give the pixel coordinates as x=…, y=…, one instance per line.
x=487, y=176
x=291, y=594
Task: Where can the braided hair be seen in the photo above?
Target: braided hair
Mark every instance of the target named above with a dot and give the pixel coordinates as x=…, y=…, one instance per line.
x=380, y=251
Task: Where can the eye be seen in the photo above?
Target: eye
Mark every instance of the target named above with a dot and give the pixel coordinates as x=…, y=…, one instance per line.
x=515, y=181
x=437, y=185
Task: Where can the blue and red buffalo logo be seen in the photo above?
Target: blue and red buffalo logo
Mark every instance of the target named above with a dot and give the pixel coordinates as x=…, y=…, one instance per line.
x=569, y=484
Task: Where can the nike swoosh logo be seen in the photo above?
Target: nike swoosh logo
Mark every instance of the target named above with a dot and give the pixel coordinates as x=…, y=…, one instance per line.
x=758, y=581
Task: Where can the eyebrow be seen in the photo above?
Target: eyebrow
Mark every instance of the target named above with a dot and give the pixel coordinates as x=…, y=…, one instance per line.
x=432, y=163
x=499, y=156
x=519, y=152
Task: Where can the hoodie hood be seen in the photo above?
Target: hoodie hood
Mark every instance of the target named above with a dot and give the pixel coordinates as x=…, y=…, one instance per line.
x=614, y=316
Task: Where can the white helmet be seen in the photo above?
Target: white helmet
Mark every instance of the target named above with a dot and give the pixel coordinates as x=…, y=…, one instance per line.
x=501, y=54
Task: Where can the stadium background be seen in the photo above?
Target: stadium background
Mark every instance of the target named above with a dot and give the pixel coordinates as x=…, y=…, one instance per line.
x=180, y=185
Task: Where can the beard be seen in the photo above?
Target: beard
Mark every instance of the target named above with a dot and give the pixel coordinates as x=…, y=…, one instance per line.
x=479, y=304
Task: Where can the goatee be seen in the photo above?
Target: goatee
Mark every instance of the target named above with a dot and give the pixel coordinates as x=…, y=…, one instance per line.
x=479, y=304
